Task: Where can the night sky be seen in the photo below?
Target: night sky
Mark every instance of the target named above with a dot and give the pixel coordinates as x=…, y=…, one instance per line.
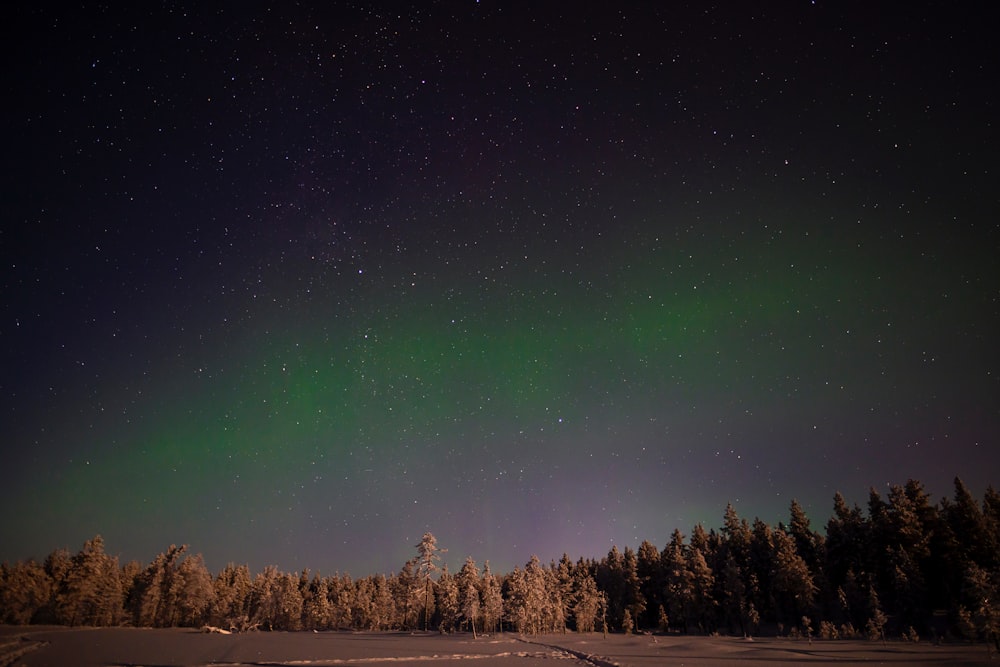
x=296, y=284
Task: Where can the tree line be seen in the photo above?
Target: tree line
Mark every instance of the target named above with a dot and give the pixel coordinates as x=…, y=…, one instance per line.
x=902, y=567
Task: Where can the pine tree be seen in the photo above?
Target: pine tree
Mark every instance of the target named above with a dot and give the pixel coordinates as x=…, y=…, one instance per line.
x=736, y=534
x=971, y=528
x=761, y=570
x=876, y=617
x=342, y=594
x=405, y=587
x=493, y=605
x=991, y=517
x=846, y=540
x=384, y=613
x=702, y=606
x=650, y=572
x=792, y=585
x=264, y=598
x=230, y=605
x=288, y=603
x=731, y=595
x=447, y=601
x=196, y=592
x=564, y=589
x=537, y=600
x=635, y=602
x=677, y=592
x=808, y=543
x=467, y=581
x=316, y=605
x=91, y=592
x=427, y=557
x=586, y=601
x=611, y=579
x=910, y=527
x=515, y=590
x=361, y=603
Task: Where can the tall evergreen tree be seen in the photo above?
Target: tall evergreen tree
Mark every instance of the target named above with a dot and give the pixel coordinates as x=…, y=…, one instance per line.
x=428, y=555
x=970, y=527
x=565, y=587
x=792, y=587
x=447, y=601
x=808, y=543
x=846, y=542
x=677, y=591
x=469, y=603
x=701, y=611
x=537, y=599
x=634, y=602
x=732, y=568
x=650, y=573
x=611, y=579
x=196, y=592
x=991, y=517
x=493, y=603
x=761, y=570
x=586, y=601
x=907, y=548
x=407, y=594
x=385, y=616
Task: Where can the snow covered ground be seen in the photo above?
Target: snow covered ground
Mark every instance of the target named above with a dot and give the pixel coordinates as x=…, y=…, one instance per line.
x=88, y=647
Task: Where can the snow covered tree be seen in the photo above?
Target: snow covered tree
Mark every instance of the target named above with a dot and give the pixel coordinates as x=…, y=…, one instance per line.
x=677, y=592
x=634, y=602
x=446, y=601
x=971, y=528
x=515, y=589
x=342, y=594
x=493, y=605
x=428, y=555
x=155, y=595
x=196, y=593
x=991, y=519
x=407, y=594
x=467, y=581
x=288, y=604
x=25, y=589
x=586, y=601
x=792, y=586
x=611, y=578
x=91, y=592
x=316, y=605
x=701, y=610
x=384, y=613
x=846, y=542
x=808, y=543
x=230, y=604
x=264, y=598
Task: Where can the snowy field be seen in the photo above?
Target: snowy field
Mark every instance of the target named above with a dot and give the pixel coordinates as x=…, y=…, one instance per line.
x=35, y=647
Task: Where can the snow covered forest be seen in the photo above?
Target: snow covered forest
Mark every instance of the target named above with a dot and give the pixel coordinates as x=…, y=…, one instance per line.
x=903, y=567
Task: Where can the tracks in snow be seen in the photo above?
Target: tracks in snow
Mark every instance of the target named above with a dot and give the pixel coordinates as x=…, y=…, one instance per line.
x=14, y=647
x=594, y=660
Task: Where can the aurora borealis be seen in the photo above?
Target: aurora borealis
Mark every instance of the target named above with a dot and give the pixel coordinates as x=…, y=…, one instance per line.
x=294, y=285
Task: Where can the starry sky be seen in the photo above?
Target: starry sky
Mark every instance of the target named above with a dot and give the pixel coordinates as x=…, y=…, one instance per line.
x=296, y=283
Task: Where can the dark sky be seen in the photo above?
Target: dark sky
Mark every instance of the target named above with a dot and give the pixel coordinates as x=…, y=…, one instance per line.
x=295, y=284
